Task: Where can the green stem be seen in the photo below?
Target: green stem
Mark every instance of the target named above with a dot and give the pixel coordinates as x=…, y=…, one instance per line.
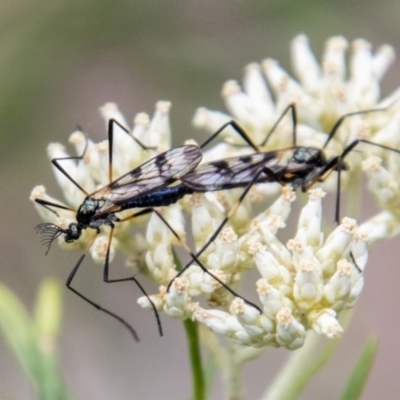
x=300, y=369
x=192, y=335
x=195, y=359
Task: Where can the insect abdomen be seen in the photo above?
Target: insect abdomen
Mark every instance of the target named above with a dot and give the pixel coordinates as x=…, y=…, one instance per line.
x=158, y=198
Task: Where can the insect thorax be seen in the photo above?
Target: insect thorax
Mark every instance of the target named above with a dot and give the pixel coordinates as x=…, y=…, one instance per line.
x=87, y=210
x=309, y=155
x=304, y=165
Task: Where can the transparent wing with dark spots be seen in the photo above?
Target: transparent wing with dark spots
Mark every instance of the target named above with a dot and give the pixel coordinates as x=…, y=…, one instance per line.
x=237, y=171
x=158, y=172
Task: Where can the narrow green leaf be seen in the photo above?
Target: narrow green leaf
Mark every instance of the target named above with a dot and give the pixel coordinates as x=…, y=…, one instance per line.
x=361, y=371
x=309, y=371
x=34, y=342
x=47, y=322
x=16, y=328
x=48, y=309
x=300, y=369
x=210, y=370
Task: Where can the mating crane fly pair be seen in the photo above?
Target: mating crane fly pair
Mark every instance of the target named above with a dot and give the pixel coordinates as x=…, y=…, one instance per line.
x=147, y=187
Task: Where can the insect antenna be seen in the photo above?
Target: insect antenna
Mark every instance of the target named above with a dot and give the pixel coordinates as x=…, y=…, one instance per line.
x=49, y=232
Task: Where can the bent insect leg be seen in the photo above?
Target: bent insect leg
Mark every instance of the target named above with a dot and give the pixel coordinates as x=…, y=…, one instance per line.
x=194, y=256
x=110, y=135
x=238, y=129
x=292, y=108
x=47, y=204
x=242, y=133
x=131, y=278
x=111, y=123
x=95, y=305
x=222, y=224
x=337, y=164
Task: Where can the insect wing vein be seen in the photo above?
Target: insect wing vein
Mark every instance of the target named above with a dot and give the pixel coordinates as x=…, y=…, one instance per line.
x=160, y=171
x=233, y=172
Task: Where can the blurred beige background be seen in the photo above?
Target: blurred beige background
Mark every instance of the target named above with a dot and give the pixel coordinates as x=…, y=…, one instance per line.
x=59, y=62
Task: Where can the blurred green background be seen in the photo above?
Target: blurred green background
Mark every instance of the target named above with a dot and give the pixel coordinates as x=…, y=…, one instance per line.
x=59, y=62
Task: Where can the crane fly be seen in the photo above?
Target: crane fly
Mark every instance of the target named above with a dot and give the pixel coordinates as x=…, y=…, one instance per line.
x=140, y=188
x=148, y=186
x=298, y=166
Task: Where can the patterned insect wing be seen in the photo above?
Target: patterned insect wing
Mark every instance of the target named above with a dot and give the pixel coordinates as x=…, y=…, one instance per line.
x=237, y=171
x=158, y=172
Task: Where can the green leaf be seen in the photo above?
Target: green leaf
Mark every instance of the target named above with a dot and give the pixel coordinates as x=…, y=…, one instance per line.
x=16, y=327
x=34, y=341
x=310, y=370
x=361, y=371
x=48, y=309
x=302, y=366
x=210, y=370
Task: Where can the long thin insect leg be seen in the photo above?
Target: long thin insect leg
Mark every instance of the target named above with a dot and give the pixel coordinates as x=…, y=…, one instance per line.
x=238, y=129
x=344, y=117
x=97, y=306
x=346, y=151
x=46, y=204
x=354, y=262
x=353, y=144
x=292, y=108
x=111, y=123
x=338, y=189
x=337, y=163
x=55, y=162
x=132, y=278
x=225, y=220
x=187, y=249
x=194, y=257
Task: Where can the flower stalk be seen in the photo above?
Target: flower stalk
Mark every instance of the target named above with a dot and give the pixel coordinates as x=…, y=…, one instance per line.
x=198, y=379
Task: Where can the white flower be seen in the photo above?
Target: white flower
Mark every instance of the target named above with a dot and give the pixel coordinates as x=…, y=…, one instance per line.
x=91, y=173
x=322, y=94
x=303, y=286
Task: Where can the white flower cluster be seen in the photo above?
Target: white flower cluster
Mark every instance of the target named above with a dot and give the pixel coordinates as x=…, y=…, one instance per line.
x=92, y=172
x=322, y=94
x=303, y=284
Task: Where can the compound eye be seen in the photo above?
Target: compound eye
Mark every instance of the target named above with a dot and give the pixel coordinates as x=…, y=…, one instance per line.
x=73, y=233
